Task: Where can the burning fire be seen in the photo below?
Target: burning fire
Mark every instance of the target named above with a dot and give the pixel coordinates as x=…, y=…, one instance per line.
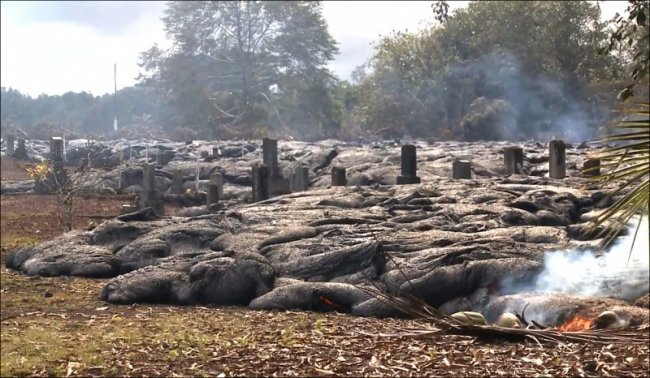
x=577, y=323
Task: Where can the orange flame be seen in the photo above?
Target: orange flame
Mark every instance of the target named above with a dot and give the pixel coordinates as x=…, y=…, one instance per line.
x=577, y=323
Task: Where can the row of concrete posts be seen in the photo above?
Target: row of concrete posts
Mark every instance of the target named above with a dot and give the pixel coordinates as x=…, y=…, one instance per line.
x=20, y=151
x=513, y=159
x=267, y=174
x=268, y=181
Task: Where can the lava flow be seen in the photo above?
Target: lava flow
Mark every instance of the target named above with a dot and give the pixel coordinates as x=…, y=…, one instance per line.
x=577, y=323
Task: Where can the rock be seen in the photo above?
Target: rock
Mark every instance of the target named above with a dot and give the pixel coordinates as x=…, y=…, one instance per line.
x=469, y=317
x=332, y=264
x=459, y=278
x=145, y=214
x=508, y=320
x=215, y=279
x=468, y=245
x=643, y=301
x=312, y=296
x=554, y=309
x=323, y=160
x=607, y=319
x=10, y=187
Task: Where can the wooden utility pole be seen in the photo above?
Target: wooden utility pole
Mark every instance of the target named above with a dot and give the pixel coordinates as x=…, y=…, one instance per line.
x=115, y=97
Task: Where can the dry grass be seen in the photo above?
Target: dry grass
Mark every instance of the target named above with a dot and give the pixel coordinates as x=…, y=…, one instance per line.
x=72, y=332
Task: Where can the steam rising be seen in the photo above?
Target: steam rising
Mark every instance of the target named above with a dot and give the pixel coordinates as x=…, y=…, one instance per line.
x=610, y=275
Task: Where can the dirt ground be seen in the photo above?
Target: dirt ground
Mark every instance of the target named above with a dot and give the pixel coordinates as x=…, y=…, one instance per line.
x=58, y=326
x=10, y=171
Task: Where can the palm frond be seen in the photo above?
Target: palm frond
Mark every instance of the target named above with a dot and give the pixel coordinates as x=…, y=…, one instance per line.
x=629, y=170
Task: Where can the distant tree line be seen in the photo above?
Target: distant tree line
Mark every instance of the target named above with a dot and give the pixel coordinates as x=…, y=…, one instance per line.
x=76, y=114
x=492, y=70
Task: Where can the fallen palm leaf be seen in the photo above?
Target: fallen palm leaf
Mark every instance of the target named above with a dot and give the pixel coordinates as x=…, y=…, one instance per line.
x=446, y=324
x=629, y=166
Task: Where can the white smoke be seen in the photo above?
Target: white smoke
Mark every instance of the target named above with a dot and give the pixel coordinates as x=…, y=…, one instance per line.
x=542, y=107
x=608, y=275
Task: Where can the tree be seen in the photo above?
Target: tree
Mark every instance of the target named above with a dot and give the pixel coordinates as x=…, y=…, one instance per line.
x=74, y=114
x=52, y=179
x=628, y=162
x=244, y=65
x=634, y=32
x=539, y=57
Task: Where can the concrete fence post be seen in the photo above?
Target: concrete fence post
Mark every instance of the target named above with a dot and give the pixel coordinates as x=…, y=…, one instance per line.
x=177, y=181
x=461, y=169
x=11, y=140
x=591, y=167
x=557, y=159
x=215, y=188
x=149, y=196
x=301, y=179
x=409, y=166
x=513, y=159
x=260, y=182
x=338, y=176
x=270, y=156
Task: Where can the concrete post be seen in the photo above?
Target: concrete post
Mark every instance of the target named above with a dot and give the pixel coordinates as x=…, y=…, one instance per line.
x=11, y=140
x=56, y=152
x=557, y=159
x=120, y=179
x=219, y=180
x=301, y=179
x=21, y=151
x=338, y=176
x=409, y=166
x=149, y=195
x=215, y=188
x=177, y=182
x=591, y=167
x=461, y=169
x=159, y=158
x=148, y=177
x=260, y=182
x=513, y=159
x=270, y=156
x=215, y=151
x=56, y=148
x=277, y=185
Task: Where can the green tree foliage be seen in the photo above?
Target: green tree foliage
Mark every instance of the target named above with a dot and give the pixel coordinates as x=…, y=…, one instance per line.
x=75, y=114
x=539, y=57
x=632, y=32
x=238, y=67
x=628, y=161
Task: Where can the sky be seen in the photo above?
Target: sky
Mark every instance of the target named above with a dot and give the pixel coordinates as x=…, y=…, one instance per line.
x=54, y=47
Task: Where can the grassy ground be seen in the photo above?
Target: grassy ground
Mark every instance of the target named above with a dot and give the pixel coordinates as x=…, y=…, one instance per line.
x=57, y=326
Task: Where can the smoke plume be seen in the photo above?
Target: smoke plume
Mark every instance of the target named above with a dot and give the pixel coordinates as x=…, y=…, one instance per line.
x=543, y=107
x=617, y=273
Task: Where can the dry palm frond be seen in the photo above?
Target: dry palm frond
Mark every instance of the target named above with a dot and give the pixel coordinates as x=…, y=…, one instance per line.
x=629, y=167
x=445, y=324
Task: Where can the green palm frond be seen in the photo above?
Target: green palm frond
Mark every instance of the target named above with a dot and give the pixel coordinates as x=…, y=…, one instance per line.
x=628, y=168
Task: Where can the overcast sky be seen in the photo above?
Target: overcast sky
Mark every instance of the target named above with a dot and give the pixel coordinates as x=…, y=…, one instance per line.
x=56, y=47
